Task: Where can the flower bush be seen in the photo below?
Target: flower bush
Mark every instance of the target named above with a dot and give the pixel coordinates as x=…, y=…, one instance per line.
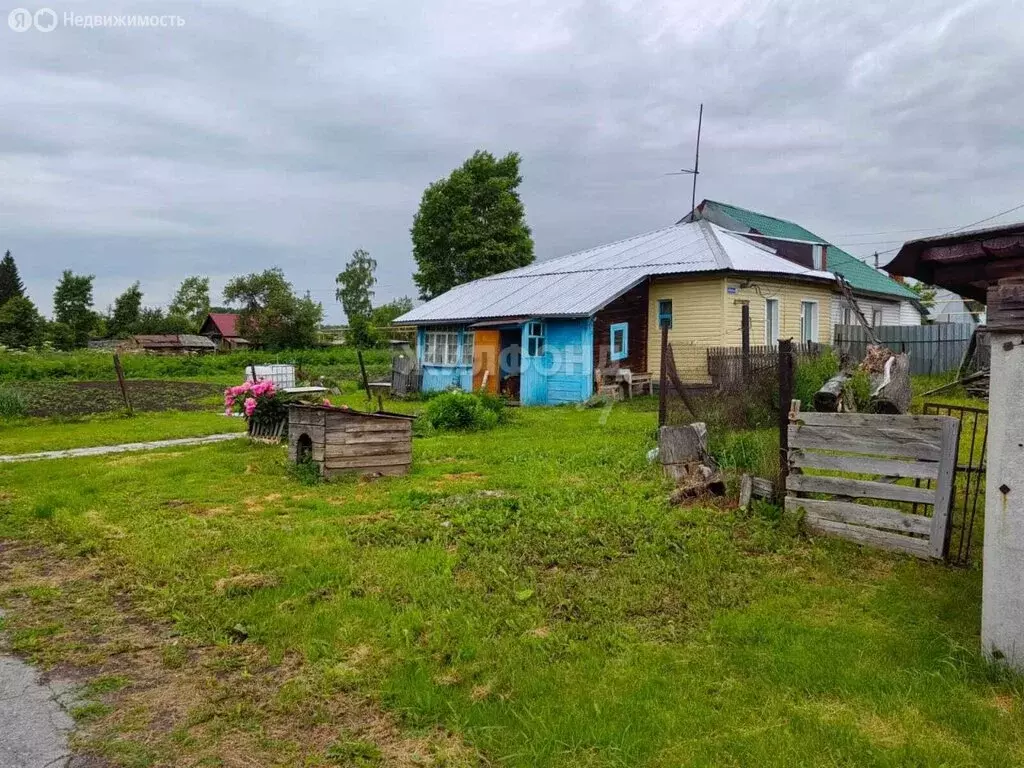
x=258, y=401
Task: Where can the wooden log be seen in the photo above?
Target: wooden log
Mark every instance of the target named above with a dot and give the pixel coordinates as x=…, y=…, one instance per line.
x=859, y=489
x=867, y=465
x=891, y=391
x=678, y=445
x=829, y=398
x=883, y=518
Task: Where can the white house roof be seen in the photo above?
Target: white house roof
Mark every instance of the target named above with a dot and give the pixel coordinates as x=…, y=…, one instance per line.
x=580, y=284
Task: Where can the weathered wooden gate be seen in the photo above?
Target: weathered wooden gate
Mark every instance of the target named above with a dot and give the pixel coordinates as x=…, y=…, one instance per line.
x=858, y=456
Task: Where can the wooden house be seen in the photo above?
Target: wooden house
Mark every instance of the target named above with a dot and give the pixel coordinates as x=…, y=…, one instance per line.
x=345, y=441
x=222, y=329
x=556, y=330
x=881, y=299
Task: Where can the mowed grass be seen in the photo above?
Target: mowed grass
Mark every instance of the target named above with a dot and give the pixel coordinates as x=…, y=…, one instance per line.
x=32, y=435
x=530, y=590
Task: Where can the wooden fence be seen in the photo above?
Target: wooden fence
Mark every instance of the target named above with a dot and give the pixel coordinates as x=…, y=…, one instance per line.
x=932, y=349
x=886, y=449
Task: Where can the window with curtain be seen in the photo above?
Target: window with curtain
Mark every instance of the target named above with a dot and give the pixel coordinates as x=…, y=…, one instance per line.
x=771, y=322
x=808, y=321
x=620, y=341
x=664, y=313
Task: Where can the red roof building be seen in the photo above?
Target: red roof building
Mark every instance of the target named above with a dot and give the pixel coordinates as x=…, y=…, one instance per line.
x=222, y=329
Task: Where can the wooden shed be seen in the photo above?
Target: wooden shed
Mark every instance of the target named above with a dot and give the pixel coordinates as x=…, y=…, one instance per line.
x=342, y=440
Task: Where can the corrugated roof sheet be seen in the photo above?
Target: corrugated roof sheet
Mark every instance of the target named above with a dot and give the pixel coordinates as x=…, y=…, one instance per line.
x=581, y=283
x=858, y=274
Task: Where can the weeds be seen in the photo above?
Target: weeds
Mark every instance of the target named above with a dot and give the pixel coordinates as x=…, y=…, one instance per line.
x=13, y=404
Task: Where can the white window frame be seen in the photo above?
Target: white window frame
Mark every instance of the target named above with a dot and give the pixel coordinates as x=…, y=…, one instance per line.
x=769, y=341
x=877, y=318
x=804, y=306
x=441, y=348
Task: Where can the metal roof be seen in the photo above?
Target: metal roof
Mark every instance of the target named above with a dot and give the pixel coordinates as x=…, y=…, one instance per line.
x=860, y=276
x=580, y=284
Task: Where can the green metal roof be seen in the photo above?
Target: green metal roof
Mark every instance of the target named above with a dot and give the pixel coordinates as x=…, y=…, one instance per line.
x=859, y=275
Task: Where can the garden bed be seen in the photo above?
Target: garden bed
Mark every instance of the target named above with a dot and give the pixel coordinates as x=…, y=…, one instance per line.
x=80, y=398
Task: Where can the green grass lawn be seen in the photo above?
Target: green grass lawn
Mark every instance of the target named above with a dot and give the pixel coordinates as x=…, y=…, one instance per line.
x=530, y=591
x=33, y=434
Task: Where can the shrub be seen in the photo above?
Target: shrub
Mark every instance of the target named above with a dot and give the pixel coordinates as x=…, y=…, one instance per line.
x=12, y=403
x=461, y=410
x=860, y=387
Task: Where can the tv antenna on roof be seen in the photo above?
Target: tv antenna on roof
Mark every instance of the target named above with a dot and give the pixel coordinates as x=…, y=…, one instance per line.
x=696, y=164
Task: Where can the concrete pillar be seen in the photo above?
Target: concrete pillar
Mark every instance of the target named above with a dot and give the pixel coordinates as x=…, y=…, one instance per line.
x=1002, y=613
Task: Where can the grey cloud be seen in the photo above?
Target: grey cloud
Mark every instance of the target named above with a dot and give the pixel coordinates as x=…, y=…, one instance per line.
x=291, y=134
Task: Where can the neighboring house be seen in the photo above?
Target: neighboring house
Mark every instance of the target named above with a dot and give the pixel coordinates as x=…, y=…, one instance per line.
x=222, y=329
x=544, y=332
x=170, y=344
x=950, y=308
x=882, y=300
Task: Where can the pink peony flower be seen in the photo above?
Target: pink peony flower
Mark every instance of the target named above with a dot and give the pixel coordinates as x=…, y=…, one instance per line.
x=227, y=411
x=250, y=405
x=327, y=402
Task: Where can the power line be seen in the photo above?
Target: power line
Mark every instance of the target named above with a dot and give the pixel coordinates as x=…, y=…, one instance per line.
x=958, y=229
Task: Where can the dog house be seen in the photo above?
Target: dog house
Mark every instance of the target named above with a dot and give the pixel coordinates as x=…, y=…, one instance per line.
x=342, y=440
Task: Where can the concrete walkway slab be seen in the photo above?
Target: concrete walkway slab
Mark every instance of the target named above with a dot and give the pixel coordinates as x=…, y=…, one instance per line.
x=100, y=450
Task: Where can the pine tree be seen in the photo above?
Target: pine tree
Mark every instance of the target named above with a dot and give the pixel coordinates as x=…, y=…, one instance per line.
x=10, y=281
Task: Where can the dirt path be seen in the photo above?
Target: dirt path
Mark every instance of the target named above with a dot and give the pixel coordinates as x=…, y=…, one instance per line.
x=122, y=448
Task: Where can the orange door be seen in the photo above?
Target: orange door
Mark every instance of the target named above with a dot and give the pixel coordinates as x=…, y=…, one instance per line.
x=486, y=349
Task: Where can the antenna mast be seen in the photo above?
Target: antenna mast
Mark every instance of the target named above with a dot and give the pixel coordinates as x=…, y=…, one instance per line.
x=696, y=163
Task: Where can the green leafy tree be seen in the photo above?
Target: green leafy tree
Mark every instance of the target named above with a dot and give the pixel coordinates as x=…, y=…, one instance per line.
x=386, y=314
x=124, y=319
x=72, y=308
x=192, y=301
x=471, y=225
x=355, y=292
x=155, y=320
x=10, y=280
x=270, y=314
x=21, y=325
x=925, y=293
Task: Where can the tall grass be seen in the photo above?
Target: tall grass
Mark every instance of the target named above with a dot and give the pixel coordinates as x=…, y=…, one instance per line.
x=810, y=374
x=12, y=403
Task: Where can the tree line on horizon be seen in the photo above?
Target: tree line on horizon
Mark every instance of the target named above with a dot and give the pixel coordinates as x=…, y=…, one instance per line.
x=469, y=225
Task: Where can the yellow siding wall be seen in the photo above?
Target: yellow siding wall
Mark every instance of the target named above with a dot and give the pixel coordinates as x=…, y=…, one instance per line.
x=698, y=309
x=706, y=315
x=790, y=296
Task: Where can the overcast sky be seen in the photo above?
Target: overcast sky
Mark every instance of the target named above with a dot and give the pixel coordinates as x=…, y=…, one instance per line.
x=290, y=134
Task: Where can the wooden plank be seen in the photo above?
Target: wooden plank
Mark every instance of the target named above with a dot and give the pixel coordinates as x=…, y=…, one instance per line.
x=893, y=542
x=354, y=438
x=359, y=462
x=762, y=488
x=844, y=420
x=868, y=465
x=859, y=489
x=394, y=471
x=746, y=491
x=366, y=449
x=945, y=488
x=920, y=445
x=885, y=518
x=383, y=425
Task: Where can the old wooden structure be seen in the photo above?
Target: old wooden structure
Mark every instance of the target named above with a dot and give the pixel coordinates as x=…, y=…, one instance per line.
x=345, y=441
x=881, y=450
